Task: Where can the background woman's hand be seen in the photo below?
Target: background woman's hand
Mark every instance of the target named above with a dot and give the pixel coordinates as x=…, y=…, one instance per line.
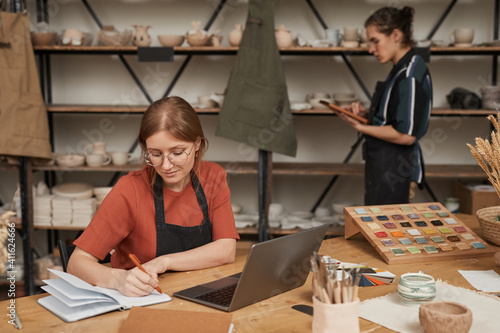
x=358, y=109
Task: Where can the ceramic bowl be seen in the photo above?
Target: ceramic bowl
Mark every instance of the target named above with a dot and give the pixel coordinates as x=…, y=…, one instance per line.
x=113, y=37
x=338, y=207
x=236, y=208
x=70, y=160
x=197, y=39
x=415, y=289
x=73, y=190
x=43, y=38
x=444, y=317
x=316, y=105
x=171, y=40
x=101, y=192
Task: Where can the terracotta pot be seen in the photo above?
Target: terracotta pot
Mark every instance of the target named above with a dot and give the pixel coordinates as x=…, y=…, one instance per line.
x=141, y=36
x=283, y=37
x=444, y=317
x=235, y=35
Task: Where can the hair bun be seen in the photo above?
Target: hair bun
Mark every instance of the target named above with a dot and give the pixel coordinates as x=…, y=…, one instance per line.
x=408, y=12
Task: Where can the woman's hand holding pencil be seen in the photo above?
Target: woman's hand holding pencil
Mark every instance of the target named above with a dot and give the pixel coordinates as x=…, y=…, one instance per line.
x=138, y=264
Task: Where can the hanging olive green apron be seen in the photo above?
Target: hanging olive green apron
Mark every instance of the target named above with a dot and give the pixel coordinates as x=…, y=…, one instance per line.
x=24, y=129
x=256, y=109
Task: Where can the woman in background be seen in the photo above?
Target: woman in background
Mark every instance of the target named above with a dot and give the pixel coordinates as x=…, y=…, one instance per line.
x=174, y=214
x=399, y=111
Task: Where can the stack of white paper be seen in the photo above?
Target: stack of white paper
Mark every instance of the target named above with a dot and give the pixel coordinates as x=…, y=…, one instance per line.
x=83, y=211
x=42, y=210
x=61, y=211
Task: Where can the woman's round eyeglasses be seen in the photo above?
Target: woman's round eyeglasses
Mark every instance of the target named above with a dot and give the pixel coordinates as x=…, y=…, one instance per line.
x=176, y=157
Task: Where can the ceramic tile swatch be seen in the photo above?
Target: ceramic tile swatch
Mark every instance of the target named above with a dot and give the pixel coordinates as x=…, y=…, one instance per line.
x=405, y=224
x=430, y=249
x=413, y=249
x=405, y=241
x=468, y=237
x=437, y=239
x=413, y=232
x=387, y=242
x=450, y=220
x=397, y=251
x=360, y=210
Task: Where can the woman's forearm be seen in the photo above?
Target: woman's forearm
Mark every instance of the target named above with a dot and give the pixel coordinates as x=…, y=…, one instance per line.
x=386, y=133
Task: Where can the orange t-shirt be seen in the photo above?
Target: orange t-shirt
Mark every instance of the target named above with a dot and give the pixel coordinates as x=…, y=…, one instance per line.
x=125, y=221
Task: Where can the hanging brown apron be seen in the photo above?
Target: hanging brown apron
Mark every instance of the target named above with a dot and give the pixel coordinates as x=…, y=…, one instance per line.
x=24, y=129
x=256, y=109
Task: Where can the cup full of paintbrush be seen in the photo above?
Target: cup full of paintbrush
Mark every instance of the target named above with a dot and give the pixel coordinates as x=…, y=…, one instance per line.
x=335, y=298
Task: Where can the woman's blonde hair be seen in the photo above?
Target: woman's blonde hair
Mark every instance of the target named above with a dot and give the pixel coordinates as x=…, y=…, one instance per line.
x=175, y=115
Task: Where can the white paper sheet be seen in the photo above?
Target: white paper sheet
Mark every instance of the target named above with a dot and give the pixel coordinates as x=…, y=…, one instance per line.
x=390, y=312
x=487, y=281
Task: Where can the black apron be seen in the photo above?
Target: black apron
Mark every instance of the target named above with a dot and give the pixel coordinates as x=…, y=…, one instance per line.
x=388, y=166
x=171, y=238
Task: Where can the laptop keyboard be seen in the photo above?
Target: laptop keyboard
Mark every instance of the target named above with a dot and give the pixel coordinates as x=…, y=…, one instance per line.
x=222, y=296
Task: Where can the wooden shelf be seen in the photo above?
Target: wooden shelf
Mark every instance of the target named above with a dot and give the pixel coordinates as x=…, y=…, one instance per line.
x=99, y=108
x=304, y=169
x=8, y=166
x=231, y=50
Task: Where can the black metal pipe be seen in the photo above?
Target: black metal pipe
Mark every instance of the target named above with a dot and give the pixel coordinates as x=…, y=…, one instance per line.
x=92, y=13
x=136, y=79
x=356, y=76
x=316, y=13
x=496, y=22
x=263, y=182
x=39, y=11
x=48, y=78
x=429, y=190
x=214, y=15
x=441, y=19
x=29, y=272
x=177, y=76
x=354, y=147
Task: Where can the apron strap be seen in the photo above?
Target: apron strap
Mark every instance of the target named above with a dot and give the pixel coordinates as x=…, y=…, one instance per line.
x=200, y=195
x=158, y=199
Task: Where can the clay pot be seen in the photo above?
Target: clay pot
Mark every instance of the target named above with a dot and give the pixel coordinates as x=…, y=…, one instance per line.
x=283, y=37
x=235, y=35
x=141, y=36
x=444, y=317
x=197, y=36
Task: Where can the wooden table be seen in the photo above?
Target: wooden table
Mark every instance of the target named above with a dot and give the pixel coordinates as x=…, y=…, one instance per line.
x=271, y=315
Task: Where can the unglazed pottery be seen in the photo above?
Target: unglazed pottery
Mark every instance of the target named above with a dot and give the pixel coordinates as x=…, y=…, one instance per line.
x=197, y=36
x=283, y=37
x=445, y=317
x=235, y=35
x=141, y=36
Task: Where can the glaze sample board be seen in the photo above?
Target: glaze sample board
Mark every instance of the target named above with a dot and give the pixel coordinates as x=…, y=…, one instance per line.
x=419, y=232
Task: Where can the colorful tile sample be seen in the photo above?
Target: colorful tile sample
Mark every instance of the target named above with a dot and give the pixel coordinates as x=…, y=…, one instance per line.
x=405, y=224
x=420, y=208
x=405, y=241
x=427, y=214
x=420, y=224
x=430, y=249
x=453, y=238
x=437, y=239
x=397, y=217
x=375, y=210
x=381, y=234
x=382, y=218
x=397, y=233
x=446, y=247
x=413, y=216
x=450, y=220
x=443, y=214
x=405, y=208
x=413, y=232
x=420, y=240
x=387, y=242
x=397, y=251
x=413, y=249
x=434, y=207
x=373, y=225
x=366, y=218
x=468, y=237
x=445, y=230
x=436, y=223
x=429, y=231
x=389, y=225
x=463, y=246
x=360, y=210
x=478, y=245
x=459, y=228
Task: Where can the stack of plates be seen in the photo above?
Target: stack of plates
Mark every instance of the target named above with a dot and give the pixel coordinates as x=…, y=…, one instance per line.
x=61, y=211
x=83, y=211
x=245, y=220
x=42, y=210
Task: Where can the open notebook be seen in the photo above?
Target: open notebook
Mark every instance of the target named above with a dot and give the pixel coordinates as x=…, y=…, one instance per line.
x=73, y=299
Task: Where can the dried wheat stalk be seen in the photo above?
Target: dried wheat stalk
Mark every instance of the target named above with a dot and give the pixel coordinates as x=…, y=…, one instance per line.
x=487, y=154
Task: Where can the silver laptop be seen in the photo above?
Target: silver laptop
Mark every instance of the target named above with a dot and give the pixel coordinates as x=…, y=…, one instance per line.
x=272, y=267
